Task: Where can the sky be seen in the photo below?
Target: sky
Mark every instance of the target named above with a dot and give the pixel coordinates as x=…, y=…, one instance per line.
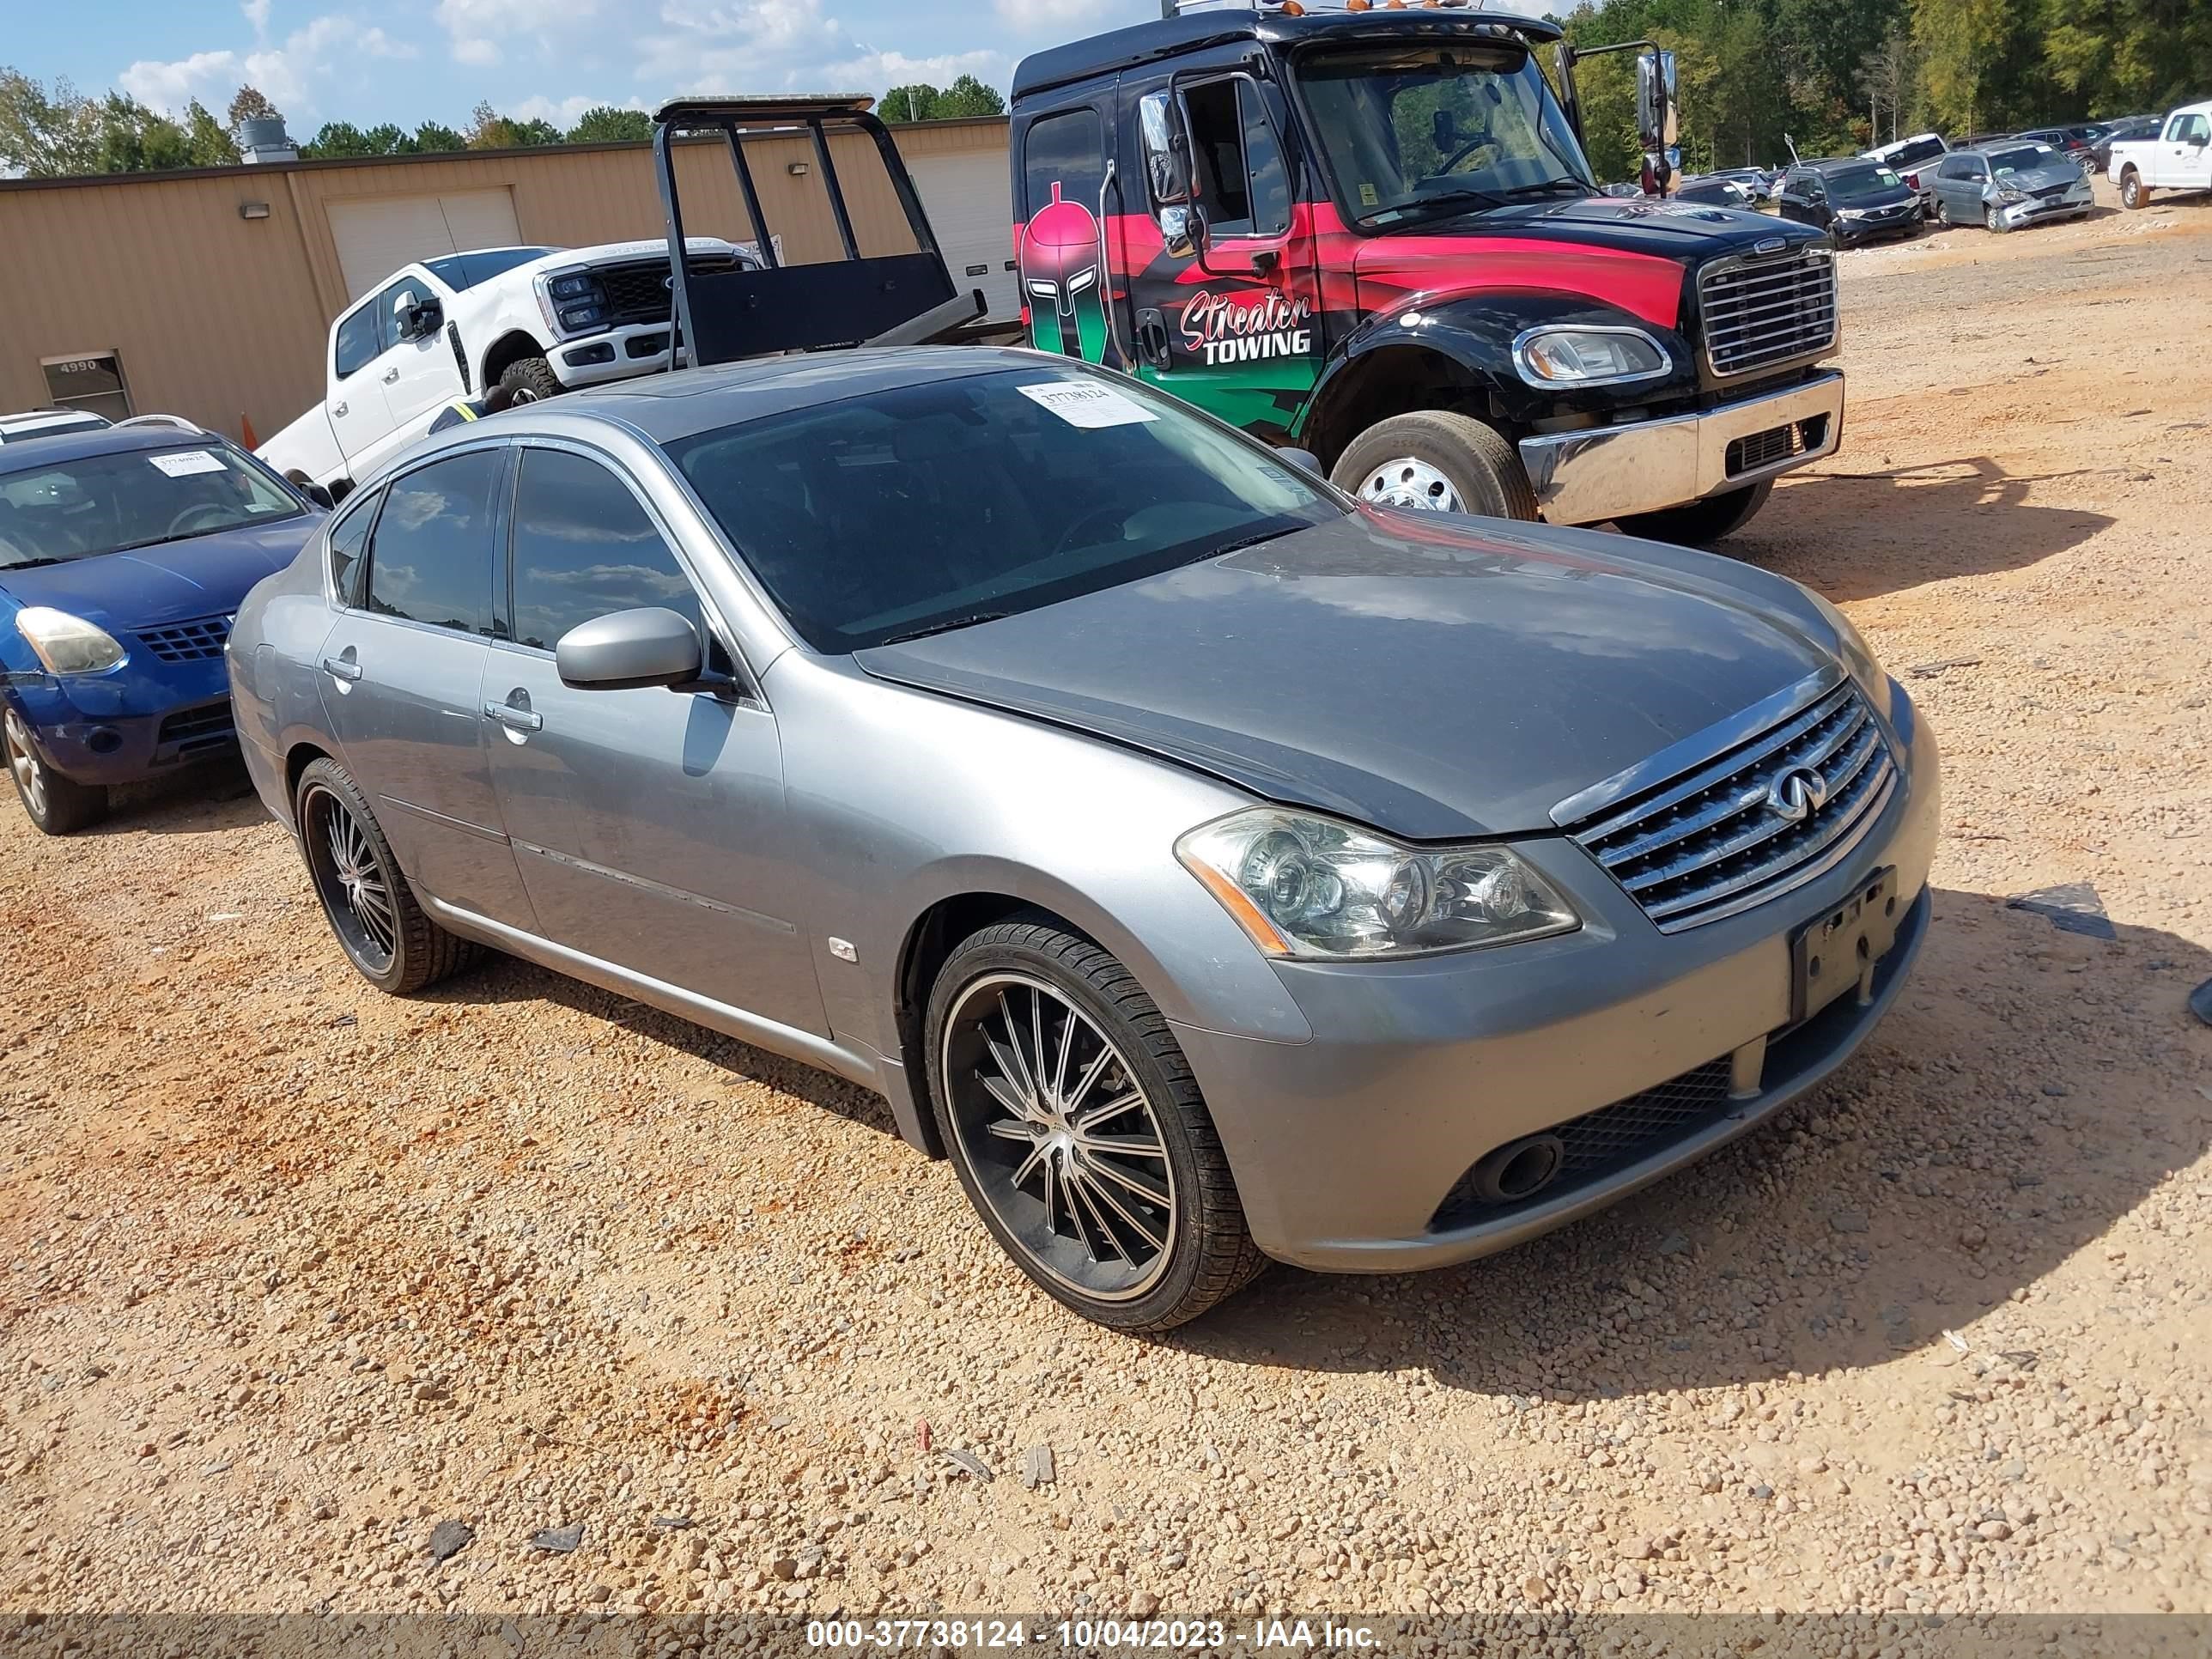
x=410, y=61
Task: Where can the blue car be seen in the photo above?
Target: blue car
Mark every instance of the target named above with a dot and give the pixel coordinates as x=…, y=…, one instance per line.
x=123, y=553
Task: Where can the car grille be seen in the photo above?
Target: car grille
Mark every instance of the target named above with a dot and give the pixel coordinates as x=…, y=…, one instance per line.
x=639, y=293
x=1751, y=823
x=191, y=730
x=1760, y=313
x=1600, y=1141
x=187, y=641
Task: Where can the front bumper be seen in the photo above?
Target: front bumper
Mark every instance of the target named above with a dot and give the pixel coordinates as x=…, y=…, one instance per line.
x=1347, y=1147
x=616, y=354
x=105, y=748
x=2069, y=206
x=1605, y=473
x=1858, y=234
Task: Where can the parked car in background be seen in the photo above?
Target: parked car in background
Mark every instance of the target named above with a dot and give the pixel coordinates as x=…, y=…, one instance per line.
x=2120, y=131
x=1854, y=201
x=1914, y=159
x=124, y=551
x=2075, y=142
x=48, y=423
x=1756, y=181
x=2009, y=184
x=2177, y=157
x=537, y=320
x=1711, y=190
x=994, y=731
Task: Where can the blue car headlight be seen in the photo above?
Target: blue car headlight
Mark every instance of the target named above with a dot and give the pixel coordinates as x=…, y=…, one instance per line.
x=67, y=644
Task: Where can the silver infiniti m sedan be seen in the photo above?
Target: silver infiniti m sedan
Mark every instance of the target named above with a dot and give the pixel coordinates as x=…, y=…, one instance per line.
x=1212, y=868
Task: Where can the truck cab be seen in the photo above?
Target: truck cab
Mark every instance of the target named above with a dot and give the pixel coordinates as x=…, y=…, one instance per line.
x=1372, y=234
x=2177, y=156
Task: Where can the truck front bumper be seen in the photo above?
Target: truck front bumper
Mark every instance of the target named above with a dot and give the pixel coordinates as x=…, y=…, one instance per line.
x=1605, y=473
x=616, y=354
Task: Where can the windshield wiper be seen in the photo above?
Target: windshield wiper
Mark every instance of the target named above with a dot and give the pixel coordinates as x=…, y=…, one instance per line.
x=1422, y=205
x=34, y=564
x=1573, y=187
x=945, y=627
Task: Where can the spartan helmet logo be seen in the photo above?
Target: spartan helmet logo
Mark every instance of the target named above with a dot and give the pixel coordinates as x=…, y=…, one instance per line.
x=1062, y=280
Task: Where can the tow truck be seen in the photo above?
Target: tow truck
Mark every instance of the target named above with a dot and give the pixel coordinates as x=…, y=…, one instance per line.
x=1371, y=233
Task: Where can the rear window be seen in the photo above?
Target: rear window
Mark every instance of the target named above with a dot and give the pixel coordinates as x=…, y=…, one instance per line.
x=1916, y=149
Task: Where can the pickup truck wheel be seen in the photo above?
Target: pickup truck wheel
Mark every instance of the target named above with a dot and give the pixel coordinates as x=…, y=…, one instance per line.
x=2134, y=193
x=366, y=899
x=55, y=805
x=1699, y=522
x=532, y=381
x=1077, y=1131
x=1435, y=461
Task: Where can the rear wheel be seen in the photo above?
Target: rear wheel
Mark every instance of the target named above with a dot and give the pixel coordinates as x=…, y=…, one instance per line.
x=1696, y=523
x=55, y=805
x=366, y=899
x=531, y=380
x=1078, y=1133
x=1435, y=461
x=2134, y=193
x=1943, y=213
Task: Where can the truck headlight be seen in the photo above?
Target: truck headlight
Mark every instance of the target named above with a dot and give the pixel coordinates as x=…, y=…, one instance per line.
x=1567, y=356
x=67, y=644
x=1307, y=886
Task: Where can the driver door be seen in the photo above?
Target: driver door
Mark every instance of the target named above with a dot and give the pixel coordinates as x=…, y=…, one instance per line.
x=2187, y=163
x=424, y=374
x=1228, y=317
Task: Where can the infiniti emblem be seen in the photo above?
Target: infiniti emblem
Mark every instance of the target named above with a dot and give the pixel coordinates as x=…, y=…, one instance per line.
x=1797, y=794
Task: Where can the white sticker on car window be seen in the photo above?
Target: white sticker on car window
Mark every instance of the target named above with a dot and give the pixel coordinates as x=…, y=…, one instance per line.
x=1087, y=404
x=183, y=463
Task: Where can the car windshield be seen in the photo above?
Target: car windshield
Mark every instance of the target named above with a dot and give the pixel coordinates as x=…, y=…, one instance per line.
x=924, y=508
x=461, y=271
x=81, y=508
x=2026, y=159
x=1863, y=183
x=1410, y=130
x=1916, y=149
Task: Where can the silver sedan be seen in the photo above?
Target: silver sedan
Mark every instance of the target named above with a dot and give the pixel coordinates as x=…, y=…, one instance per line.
x=1212, y=867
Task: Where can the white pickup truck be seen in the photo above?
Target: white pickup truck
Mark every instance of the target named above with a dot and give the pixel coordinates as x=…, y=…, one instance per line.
x=537, y=320
x=2178, y=157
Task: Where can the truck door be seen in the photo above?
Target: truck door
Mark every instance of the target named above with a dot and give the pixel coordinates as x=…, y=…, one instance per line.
x=1069, y=186
x=2184, y=160
x=356, y=406
x=421, y=374
x=1223, y=281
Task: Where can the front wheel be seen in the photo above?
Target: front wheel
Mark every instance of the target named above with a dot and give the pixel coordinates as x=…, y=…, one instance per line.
x=365, y=896
x=2134, y=193
x=1994, y=221
x=55, y=805
x=531, y=380
x=1078, y=1133
x=1696, y=523
x=1435, y=461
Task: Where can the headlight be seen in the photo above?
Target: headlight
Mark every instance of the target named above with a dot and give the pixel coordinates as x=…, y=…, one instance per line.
x=1589, y=356
x=2010, y=197
x=67, y=644
x=1858, y=656
x=1851, y=213
x=1302, y=885
x=569, y=287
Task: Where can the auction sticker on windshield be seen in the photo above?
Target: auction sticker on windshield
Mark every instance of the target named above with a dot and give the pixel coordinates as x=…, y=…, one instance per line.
x=1081, y=404
x=183, y=463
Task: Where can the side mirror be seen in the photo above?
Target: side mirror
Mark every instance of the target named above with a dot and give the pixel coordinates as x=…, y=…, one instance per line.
x=1304, y=459
x=1658, y=114
x=1175, y=231
x=1167, y=151
x=629, y=649
x=320, y=496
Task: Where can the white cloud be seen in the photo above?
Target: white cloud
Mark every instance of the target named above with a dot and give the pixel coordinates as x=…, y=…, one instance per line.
x=565, y=112
x=480, y=29
x=873, y=72
x=289, y=75
x=1037, y=16
x=257, y=13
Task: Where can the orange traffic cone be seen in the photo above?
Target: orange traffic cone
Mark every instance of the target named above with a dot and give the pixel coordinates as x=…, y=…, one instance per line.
x=245, y=429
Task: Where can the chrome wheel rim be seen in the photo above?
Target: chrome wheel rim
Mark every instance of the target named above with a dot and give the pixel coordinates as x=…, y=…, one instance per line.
x=23, y=762
x=1063, y=1142
x=518, y=396
x=1409, y=482
x=351, y=881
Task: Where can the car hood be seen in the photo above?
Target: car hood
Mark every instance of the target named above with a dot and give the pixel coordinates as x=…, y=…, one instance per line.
x=610, y=253
x=148, y=587
x=1880, y=201
x=2034, y=178
x=1436, y=677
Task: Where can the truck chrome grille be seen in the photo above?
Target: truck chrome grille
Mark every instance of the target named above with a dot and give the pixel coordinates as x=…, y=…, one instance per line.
x=1760, y=313
x=1764, y=816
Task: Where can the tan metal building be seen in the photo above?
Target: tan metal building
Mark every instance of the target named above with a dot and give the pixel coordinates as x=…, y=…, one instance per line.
x=209, y=293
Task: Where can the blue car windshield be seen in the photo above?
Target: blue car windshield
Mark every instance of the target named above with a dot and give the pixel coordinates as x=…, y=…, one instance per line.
x=96, y=504
x=910, y=510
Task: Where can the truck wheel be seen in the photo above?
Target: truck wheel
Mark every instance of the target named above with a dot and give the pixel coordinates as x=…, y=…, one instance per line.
x=55, y=805
x=1699, y=522
x=532, y=381
x=2134, y=193
x=1437, y=462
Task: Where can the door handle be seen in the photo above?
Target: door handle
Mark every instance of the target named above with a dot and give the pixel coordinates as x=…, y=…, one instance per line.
x=339, y=668
x=513, y=719
x=391, y=375
x=339, y=410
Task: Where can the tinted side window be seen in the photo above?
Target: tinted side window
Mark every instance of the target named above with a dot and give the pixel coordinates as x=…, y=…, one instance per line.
x=584, y=548
x=1242, y=182
x=430, y=559
x=357, y=342
x=1068, y=150
x=348, y=538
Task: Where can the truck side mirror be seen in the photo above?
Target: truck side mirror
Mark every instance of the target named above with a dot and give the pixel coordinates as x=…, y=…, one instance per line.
x=1658, y=114
x=1167, y=151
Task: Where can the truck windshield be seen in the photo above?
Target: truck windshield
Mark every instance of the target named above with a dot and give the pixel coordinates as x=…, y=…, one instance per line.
x=1411, y=129
x=95, y=504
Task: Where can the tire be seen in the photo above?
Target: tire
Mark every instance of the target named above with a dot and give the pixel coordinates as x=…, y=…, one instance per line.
x=1698, y=523
x=56, y=805
x=1127, y=1262
x=2134, y=193
x=531, y=380
x=1437, y=461
x=393, y=945
x=1993, y=221
x=1943, y=213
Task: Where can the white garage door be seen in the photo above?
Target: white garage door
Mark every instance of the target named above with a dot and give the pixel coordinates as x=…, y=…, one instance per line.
x=376, y=235
x=971, y=205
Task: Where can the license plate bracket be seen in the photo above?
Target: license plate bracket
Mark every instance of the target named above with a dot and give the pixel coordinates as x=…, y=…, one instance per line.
x=1837, y=952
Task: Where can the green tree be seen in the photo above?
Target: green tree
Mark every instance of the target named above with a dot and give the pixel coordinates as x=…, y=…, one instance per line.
x=207, y=143
x=248, y=104
x=537, y=130
x=136, y=139
x=335, y=138
x=609, y=126
x=969, y=96
x=386, y=139
x=48, y=132
x=433, y=137
x=917, y=102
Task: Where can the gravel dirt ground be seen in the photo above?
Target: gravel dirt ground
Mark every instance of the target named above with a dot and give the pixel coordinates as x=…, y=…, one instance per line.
x=294, y=1272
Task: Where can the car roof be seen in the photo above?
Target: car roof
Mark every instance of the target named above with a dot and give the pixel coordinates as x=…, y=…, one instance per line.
x=1843, y=164
x=25, y=454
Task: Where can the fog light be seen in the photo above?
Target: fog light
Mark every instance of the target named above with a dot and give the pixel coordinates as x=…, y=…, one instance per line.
x=104, y=740
x=583, y=356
